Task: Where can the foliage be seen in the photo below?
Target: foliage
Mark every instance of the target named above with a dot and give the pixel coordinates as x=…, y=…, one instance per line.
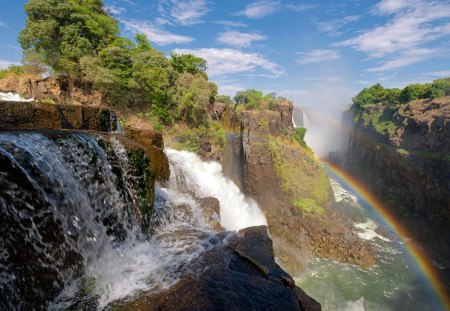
x=299, y=136
x=63, y=32
x=188, y=63
x=250, y=98
x=193, y=94
x=377, y=94
x=224, y=99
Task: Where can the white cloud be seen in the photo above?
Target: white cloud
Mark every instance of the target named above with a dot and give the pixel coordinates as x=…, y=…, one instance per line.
x=230, y=61
x=155, y=35
x=317, y=56
x=239, y=39
x=186, y=12
x=260, y=8
x=406, y=58
x=332, y=26
x=112, y=9
x=230, y=89
x=2, y=24
x=393, y=6
x=6, y=63
x=440, y=74
x=231, y=23
x=414, y=23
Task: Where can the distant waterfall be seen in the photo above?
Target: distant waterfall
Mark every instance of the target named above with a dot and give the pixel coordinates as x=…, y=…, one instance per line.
x=306, y=123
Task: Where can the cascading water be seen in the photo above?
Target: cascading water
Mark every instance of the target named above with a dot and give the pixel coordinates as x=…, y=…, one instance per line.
x=13, y=97
x=205, y=179
x=73, y=238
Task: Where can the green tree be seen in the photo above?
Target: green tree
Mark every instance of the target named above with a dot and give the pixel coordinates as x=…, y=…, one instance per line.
x=188, y=63
x=224, y=99
x=64, y=31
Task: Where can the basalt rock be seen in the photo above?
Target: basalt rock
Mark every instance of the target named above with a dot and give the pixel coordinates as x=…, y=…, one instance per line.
x=239, y=274
x=278, y=172
x=39, y=115
x=408, y=167
x=61, y=90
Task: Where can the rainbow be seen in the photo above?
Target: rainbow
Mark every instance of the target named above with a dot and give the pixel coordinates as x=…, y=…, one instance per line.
x=419, y=257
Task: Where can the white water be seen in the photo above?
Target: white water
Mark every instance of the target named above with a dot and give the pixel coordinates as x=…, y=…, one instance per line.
x=13, y=97
x=293, y=121
x=367, y=229
x=206, y=180
x=306, y=123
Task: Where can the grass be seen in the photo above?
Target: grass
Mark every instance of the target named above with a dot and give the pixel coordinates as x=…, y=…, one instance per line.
x=309, y=206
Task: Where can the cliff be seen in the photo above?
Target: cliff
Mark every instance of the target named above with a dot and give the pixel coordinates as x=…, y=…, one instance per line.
x=292, y=189
x=403, y=155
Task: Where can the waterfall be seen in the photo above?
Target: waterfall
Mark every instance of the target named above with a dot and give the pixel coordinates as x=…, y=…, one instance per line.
x=205, y=179
x=306, y=123
x=71, y=235
x=13, y=97
x=293, y=121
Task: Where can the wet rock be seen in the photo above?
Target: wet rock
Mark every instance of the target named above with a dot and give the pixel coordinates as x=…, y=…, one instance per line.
x=211, y=211
x=37, y=115
x=224, y=279
x=154, y=149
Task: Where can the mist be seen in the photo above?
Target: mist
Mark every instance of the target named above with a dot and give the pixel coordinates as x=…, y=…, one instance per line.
x=324, y=107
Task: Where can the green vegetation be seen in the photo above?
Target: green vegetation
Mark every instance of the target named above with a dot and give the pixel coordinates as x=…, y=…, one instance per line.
x=379, y=95
x=299, y=136
x=190, y=139
x=300, y=176
x=309, y=206
x=77, y=39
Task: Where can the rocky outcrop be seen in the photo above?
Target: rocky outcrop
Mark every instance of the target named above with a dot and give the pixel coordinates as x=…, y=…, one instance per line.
x=276, y=171
x=154, y=149
x=60, y=90
x=40, y=115
x=239, y=274
x=408, y=165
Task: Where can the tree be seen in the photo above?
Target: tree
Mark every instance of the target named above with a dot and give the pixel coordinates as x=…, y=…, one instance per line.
x=223, y=99
x=188, y=63
x=64, y=31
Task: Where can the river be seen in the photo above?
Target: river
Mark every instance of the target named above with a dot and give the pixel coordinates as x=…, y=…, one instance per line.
x=394, y=283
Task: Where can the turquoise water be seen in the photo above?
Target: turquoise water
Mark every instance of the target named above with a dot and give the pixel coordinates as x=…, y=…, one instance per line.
x=395, y=283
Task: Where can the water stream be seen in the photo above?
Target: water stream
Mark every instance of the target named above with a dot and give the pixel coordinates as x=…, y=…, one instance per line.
x=395, y=283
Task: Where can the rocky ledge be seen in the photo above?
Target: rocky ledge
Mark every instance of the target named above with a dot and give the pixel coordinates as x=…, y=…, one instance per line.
x=239, y=274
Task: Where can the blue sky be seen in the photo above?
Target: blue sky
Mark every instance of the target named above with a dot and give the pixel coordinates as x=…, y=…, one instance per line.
x=317, y=53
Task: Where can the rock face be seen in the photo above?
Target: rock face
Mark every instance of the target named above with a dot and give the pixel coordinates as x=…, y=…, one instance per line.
x=56, y=188
x=239, y=274
x=408, y=167
x=61, y=90
x=277, y=172
x=39, y=115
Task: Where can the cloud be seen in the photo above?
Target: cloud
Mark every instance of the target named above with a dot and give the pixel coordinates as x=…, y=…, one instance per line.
x=2, y=24
x=413, y=24
x=230, y=61
x=440, y=74
x=317, y=56
x=230, y=89
x=231, y=23
x=332, y=26
x=239, y=39
x=260, y=9
x=6, y=63
x=185, y=13
x=154, y=34
x=406, y=58
x=112, y=9
x=394, y=6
